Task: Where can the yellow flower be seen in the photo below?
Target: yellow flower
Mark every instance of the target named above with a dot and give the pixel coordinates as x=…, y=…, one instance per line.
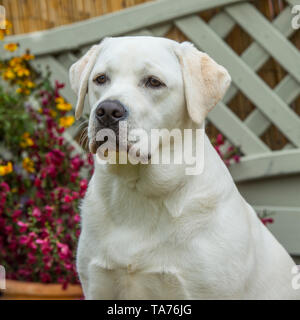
x=59, y=100
x=15, y=61
x=29, y=84
x=23, y=91
x=11, y=47
x=21, y=71
x=28, y=165
x=6, y=169
x=27, y=56
x=8, y=26
x=6, y=30
x=8, y=74
x=66, y=121
x=26, y=141
x=62, y=105
x=53, y=113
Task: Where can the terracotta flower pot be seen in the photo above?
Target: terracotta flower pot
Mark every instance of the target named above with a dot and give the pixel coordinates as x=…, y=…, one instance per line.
x=18, y=290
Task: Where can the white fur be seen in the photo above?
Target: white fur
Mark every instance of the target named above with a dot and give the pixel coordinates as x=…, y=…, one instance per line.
x=152, y=232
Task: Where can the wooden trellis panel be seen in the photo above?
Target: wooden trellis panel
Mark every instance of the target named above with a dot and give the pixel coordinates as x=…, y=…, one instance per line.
x=62, y=46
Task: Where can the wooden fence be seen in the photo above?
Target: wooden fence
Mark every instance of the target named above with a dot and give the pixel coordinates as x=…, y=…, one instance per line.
x=269, y=173
x=32, y=15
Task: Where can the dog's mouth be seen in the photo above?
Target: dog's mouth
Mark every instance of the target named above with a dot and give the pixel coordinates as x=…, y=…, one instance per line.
x=115, y=145
x=130, y=148
x=94, y=146
x=119, y=142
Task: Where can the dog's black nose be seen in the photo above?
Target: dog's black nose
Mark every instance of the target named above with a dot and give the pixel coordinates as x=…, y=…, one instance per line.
x=110, y=111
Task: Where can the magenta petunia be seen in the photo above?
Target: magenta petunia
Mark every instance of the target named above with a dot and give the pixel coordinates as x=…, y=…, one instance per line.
x=68, y=198
x=36, y=212
x=23, y=226
x=39, y=220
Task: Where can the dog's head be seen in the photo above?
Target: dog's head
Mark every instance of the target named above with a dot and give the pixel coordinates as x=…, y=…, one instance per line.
x=147, y=81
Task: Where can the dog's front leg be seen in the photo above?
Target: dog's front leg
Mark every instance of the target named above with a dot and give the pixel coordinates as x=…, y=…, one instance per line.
x=100, y=283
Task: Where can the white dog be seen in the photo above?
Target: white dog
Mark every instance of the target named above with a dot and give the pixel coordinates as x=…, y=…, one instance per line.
x=151, y=231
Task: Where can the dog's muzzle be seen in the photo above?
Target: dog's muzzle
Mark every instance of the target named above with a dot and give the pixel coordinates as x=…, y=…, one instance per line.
x=108, y=115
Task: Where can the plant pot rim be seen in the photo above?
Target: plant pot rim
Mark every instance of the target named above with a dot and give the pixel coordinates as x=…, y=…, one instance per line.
x=16, y=287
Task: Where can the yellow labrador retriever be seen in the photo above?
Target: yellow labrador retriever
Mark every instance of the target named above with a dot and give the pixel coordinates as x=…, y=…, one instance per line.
x=150, y=231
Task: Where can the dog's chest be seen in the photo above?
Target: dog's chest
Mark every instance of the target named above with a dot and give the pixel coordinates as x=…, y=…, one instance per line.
x=136, y=232
x=140, y=268
x=135, y=251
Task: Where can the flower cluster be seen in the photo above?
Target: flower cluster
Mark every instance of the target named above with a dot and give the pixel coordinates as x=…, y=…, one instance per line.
x=6, y=30
x=229, y=154
x=17, y=70
x=265, y=217
x=40, y=189
x=41, y=179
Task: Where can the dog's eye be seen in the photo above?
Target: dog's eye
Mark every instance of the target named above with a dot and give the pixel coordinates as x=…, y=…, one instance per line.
x=154, y=83
x=101, y=79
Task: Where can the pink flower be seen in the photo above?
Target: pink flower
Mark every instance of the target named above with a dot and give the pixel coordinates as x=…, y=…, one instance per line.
x=45, y=245
x=237, y=158
x=45, y=101
x=31, y=258
x=64, y=282
x=83, y=184
x=48, y=261
x=59, y=85
x=64, y=250
x=37, y=182
x=13, y=244
x=68, y=198
x=28, y=240
x=16, y=214
x=76, y=163
x=8, y=229
x=36, y=212
x=265, y=221
x=23, y=240
x=23, y=226
x=61, y=130
x=77, y=218
x=24, y=272
x=48, y=210
x=68, y=265
x=59, y=221
x=75, y=195
x=5, y=186
x=60, y=141
x=74, y=176
x=220, y=139
x=45, y=277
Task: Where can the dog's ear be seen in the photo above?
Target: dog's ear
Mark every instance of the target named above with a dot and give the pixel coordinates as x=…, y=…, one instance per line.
x=205, y=81
x=79, y=75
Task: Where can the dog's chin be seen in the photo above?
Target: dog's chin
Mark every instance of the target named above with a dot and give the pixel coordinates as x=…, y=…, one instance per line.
x=95, y=145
